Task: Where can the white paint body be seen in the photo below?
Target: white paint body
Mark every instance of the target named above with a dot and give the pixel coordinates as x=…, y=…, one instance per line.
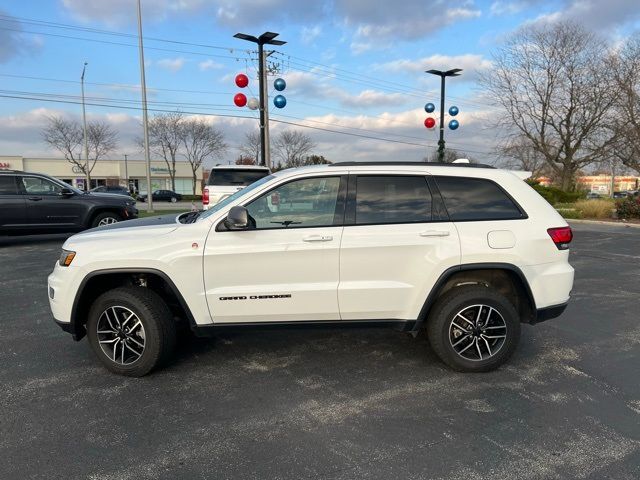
x=331, y=273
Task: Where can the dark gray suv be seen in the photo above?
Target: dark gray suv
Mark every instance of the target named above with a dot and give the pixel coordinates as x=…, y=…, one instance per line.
x=37, y=203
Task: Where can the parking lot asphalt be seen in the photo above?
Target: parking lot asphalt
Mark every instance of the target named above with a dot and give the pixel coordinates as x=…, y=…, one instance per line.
x=330, y=404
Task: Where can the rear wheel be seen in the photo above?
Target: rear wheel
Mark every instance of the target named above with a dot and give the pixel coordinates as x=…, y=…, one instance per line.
x=105, y=218
x=473, y=328
x=173, y=200
x=131, y=330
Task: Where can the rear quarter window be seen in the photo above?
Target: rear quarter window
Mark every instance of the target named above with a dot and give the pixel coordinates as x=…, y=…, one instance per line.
x=476, y=199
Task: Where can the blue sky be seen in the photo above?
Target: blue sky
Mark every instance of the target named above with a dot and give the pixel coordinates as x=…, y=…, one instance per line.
x=352, y=66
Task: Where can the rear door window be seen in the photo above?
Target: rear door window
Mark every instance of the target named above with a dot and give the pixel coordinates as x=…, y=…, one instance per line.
x=392, y=199
x=229, y=177
x=476, y=199
x=8, y=185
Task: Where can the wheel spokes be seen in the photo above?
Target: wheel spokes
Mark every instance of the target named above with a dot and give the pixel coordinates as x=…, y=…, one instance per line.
x=122, y=344
x=482, y=337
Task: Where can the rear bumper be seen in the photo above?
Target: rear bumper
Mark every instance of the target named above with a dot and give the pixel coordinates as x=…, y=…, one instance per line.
x=547, y=313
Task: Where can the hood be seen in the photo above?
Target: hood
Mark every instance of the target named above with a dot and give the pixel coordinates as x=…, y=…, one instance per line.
x=137, y=229
x=110, y=196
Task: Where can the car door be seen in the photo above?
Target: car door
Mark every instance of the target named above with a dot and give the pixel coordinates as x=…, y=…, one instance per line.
x=48, y=207
x=286, y=267
x=13, y=209
x=397, y=240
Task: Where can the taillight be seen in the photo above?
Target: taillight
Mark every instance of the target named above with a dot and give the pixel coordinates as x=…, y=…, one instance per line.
x=561, y=236
x=205, y=197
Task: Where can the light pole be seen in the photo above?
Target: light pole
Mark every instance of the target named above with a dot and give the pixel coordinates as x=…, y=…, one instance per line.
x=84, y=131
x=267, y=38
x=449, y=73
x=145, y=122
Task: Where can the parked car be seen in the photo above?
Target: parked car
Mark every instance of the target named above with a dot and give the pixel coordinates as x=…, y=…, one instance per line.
x=161, y=196
x=117, y=189
x=593, y=196
x=38, y=203
x=619, y=194
x=465, y=251
x=225, y=180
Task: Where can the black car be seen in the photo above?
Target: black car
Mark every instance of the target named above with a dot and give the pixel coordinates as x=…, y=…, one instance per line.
x=37, y=203
x=117, y=189
x=161, y=196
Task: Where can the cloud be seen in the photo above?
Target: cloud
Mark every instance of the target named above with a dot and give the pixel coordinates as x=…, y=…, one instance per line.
x=209, y=65
x=471, y=64
x=14, y=42
x=309, y=34
x=597, y=15
x=124, y=12
x=171, y=64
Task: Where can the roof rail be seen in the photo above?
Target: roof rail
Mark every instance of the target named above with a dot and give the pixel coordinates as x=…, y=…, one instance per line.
x=423, y=164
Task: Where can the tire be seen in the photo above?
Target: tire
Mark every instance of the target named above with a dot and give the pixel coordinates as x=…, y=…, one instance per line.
x=466, y=346
x=156, y=333
x=105, y=218
x=173, y=200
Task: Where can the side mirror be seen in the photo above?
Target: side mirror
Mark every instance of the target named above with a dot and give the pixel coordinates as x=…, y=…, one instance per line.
x=66, y=192
x=237, y=219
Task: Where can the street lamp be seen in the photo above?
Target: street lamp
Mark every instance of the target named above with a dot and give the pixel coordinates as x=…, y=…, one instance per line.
x=84, y=130
x=267, y=38
x=449, y=73
x=145, y=122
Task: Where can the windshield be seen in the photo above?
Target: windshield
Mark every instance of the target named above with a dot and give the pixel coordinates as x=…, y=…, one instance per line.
x=227, y=177
x=220, y=205
x=66, y=185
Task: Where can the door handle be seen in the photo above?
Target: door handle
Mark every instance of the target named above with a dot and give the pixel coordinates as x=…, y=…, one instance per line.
x=317, y=238
x=435, y=233
x=35, y=199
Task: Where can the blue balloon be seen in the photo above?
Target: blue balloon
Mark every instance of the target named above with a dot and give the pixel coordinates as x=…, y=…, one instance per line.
x=453, y=111
x=453, y=124
x=429, y=107
x=279, y=84
x=279, y=101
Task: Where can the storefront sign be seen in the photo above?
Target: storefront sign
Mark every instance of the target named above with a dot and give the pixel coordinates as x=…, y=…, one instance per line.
x=160, y=170
x=76, y=169
x=5, y=165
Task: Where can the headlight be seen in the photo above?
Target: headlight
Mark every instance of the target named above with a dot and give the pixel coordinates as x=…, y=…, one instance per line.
x=66, y=257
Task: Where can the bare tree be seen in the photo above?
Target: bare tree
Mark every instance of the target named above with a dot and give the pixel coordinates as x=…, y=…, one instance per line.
x=200, y=141
x=625, y=65
x=245, y=161
x=250, y=148
x=67, y=136
x=165, y=139
x=517, y=153
x=291, y=146
x=553, y=85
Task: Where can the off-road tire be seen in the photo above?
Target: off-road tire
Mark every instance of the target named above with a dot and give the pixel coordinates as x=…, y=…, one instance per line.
x=456, y=300
x=156, y=318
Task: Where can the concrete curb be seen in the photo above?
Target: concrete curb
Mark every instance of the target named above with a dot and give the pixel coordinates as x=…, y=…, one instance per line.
x=602, y=222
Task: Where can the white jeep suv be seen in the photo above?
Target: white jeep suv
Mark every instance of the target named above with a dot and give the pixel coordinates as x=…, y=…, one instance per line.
x=466, y=251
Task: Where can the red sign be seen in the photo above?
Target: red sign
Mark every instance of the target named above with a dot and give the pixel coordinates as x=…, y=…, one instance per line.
x=4, y=165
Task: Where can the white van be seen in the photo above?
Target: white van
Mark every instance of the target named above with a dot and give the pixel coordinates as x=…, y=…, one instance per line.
x=225, y=180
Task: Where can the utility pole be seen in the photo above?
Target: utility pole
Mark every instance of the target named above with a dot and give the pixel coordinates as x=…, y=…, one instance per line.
x=267, y=38
x=449, y=73
x=84, y=134
x=145, y=121
x=126, y=173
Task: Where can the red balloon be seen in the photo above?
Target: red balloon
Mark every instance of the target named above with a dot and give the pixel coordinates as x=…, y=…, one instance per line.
x=242, y=80
x=429, y=122
x=240, y=100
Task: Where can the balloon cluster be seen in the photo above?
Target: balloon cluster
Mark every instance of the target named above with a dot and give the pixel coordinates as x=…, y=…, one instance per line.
x=430, y=122
x=240, y=99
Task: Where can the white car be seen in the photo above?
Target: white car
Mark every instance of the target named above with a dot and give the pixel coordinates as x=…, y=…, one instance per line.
x=466, y=251
x=225, y=180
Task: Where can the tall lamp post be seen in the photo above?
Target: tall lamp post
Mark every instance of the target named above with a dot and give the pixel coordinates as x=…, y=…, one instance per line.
x=267, y=38
x=145, y=122
x=126, y=173
x=84, y=130
x=449, y=73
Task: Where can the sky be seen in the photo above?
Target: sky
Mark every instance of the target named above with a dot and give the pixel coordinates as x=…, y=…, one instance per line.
x=355, y=69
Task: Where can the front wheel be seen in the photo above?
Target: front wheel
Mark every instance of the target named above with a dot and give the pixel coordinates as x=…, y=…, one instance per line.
x=105, y=218
x=174, y=199
x=473, y=329
x=131, y=330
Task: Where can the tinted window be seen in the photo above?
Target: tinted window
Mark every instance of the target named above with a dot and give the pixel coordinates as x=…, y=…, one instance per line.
x=235, y=177
x=7, y=185
x=476, y=199
x=392, y=199
x=302, y=203
x=40, y=186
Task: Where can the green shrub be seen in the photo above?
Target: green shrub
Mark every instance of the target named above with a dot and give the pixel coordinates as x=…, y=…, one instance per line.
x=554, y=195
x=628, y=207
x=595, y=208
x=191, y=198
x=570, y=213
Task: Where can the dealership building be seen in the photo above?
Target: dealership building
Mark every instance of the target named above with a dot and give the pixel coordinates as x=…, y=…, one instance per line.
x=111, y=172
